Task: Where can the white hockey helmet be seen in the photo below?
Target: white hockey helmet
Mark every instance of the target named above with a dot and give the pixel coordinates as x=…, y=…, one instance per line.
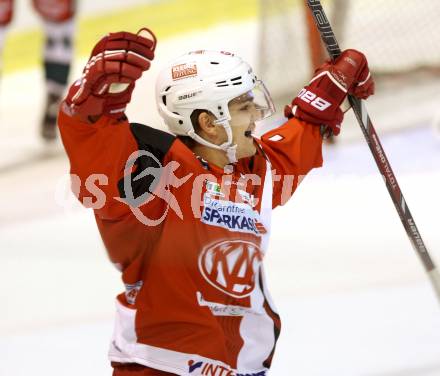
x=208, y=80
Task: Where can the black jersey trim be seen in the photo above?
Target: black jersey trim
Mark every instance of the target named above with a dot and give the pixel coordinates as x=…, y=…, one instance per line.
x=155, y=142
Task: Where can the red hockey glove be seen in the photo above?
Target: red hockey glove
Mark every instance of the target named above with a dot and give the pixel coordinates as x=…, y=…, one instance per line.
x=108, y=79
x=318, y=103
x=6, y=10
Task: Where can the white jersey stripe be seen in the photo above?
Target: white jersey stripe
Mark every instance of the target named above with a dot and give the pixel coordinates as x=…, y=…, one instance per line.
x=258, y=344
x=124, y=348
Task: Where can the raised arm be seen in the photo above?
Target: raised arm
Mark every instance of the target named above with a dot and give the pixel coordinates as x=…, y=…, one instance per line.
x=94, y=129
x=296, y=146
x=109, y=77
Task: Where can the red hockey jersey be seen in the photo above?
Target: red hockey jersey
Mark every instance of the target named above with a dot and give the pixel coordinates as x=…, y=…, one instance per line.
x=190, y=239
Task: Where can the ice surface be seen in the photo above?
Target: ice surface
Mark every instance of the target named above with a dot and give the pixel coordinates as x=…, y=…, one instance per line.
x=352, y=294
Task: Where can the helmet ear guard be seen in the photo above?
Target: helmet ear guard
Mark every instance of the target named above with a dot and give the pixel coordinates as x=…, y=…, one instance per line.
x=175, y=122
x=204, y=80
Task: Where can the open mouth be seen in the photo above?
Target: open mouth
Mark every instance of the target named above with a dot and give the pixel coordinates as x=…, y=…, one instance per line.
x=249, y=132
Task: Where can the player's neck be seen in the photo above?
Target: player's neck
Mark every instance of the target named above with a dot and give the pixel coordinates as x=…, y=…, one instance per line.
x=213, y=156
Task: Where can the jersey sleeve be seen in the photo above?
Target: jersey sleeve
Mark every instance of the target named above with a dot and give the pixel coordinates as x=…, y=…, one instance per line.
x=293, y=149
x=107, y=154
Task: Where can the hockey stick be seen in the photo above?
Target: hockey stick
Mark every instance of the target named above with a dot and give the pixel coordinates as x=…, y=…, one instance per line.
x=381, y=159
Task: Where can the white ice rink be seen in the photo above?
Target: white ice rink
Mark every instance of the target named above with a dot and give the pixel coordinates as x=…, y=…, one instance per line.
x=352, y=294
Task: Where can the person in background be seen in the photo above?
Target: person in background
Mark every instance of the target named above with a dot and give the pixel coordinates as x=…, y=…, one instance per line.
x=59, y=26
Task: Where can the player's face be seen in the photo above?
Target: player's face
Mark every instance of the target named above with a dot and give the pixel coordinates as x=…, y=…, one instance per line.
x=243, y=116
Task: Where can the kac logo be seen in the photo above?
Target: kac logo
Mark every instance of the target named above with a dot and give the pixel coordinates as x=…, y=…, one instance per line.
x=231, y=266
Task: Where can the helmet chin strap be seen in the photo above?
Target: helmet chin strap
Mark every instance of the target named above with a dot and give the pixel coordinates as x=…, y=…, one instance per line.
x=228, y=147
x=231, y=153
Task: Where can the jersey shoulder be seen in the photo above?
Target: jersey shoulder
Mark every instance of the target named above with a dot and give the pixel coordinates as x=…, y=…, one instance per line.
x=154, y=140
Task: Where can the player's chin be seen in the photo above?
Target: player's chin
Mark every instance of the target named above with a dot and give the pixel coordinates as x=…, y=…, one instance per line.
x=247, y=151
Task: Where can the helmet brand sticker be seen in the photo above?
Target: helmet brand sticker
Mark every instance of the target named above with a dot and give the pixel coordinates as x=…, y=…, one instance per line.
x=184, y=71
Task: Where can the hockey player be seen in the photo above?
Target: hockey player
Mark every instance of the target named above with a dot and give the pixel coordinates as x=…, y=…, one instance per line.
x=186, y=216
x=58, y=17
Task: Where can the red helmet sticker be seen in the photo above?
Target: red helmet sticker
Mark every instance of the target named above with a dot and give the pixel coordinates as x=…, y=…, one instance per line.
x=183, y=71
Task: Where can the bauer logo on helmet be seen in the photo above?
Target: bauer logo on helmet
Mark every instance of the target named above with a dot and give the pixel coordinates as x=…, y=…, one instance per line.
x=188, y=95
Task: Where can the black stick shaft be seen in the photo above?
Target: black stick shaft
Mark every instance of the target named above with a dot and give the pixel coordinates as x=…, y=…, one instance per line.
x=377, y=150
